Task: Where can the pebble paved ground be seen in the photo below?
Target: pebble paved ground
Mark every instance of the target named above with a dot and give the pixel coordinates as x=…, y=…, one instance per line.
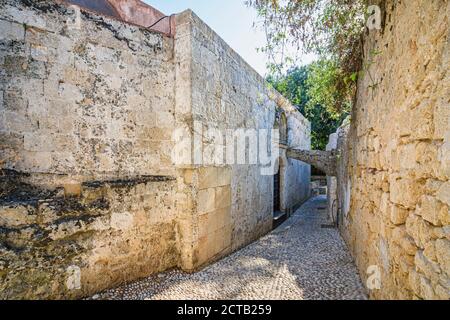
x=299, y=260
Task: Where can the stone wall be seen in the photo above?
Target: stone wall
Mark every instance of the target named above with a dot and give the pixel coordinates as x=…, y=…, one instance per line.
x=394, y=184
x=54, y=246
x=227, y=94
x=88, y=197
x=91, y=193
x=90, y=100
x=332, y=201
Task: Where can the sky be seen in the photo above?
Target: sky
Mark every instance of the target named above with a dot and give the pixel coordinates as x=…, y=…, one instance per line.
x=232, y=20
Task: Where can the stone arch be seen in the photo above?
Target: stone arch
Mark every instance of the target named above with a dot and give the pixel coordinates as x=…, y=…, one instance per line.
x=281, y=124
x=322, y=160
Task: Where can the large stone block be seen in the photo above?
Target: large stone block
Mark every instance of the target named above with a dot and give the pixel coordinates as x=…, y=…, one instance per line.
x=35, y=160
x=414, y=281
x=202, y=252
x=223, y=197
x=122, y=220
x=430, y=210
x=404, y=191
x=426, y=289
x=406, y=156
x=214, y=177
x=443, y=255
x=14, y=216
x=207, y=177
x=14, y=101
x=400, y=236
x=441, y=118
x=421, y=121
x=206, y=200
x=219, y=242
x=223, y=176
x=66, y=228
x=39, y=52
x=443, y=193
x=188, y=175
x=429, y=268
x=226, y=235
x=430, y=251
x=204, y=225
x=72, y=189
x=11, y=30
x=443, y=293
x=222, y=218
x=421, y=231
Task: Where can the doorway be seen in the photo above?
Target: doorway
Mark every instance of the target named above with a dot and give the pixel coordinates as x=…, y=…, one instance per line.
x=278, y=215
x=276, y=192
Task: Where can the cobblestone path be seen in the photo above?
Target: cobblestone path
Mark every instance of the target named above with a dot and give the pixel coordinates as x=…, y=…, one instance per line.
x=298, y=260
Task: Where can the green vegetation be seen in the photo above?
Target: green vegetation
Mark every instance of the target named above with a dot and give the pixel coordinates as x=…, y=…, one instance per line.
x=332, y=30
x=307, y=88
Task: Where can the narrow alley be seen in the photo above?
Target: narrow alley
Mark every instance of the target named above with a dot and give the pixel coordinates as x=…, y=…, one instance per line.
x=299, y=260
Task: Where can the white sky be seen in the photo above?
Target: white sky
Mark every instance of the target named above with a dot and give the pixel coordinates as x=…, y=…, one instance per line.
x=232, y=20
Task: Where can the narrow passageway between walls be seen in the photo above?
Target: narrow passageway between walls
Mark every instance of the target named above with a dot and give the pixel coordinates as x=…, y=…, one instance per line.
x=298, y=260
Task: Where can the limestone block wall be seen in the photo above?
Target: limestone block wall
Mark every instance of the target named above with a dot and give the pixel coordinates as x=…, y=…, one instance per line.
x=54, y=247
x=89, y=196
x=89, y=98
x=398, y=152
x=227, y=94
x=332, y=204
x=90, y=193
x=206, y=229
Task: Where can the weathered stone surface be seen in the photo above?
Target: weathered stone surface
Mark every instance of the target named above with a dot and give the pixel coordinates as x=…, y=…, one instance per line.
x=17, y=215
x=400, y=236
x=398, y=215
x=89, y=117
x=429, y=268
x=226, y=94
x=443, y=254
x=397, y=144
x=430, y=210
x=404, y=191
x=443, y=194
x=100, y=234
x=421, y=231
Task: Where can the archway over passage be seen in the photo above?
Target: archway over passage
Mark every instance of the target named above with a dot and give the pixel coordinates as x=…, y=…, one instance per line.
x=325, y=161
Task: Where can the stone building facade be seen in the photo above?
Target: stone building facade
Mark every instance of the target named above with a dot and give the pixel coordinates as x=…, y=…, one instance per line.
x=394, y=166
x=90, y=112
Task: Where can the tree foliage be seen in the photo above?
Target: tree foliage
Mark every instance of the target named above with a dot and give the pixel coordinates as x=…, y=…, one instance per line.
x=307, y=88
x=331, y=29
x=325, y=88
